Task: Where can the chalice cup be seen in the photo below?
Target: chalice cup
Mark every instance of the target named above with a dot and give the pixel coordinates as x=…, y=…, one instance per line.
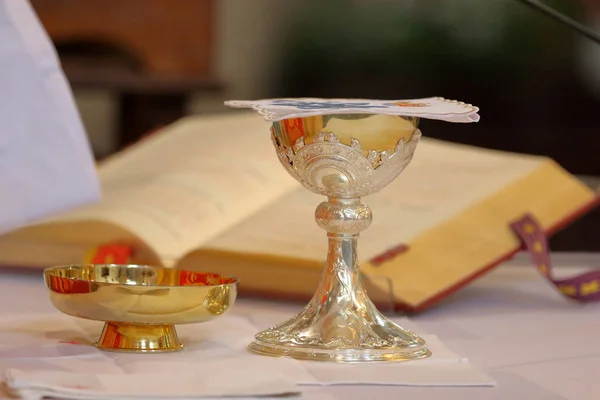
x=344, y=157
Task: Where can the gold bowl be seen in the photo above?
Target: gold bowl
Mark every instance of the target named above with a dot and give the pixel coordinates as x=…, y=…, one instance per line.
x=139, y=304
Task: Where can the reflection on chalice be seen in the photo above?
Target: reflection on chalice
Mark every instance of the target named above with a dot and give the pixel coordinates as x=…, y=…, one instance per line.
x=139, y=304
x=345, y=151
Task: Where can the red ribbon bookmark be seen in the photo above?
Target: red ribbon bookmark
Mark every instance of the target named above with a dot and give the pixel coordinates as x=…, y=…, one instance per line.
x=582, y=288
x=113, y=253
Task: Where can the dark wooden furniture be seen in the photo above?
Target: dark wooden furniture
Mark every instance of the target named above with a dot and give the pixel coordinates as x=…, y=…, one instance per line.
x=151, y=53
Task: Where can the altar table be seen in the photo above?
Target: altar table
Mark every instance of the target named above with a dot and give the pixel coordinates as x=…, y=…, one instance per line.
x=511, y=324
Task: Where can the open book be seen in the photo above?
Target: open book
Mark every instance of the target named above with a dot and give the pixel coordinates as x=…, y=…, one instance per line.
x=208, y=193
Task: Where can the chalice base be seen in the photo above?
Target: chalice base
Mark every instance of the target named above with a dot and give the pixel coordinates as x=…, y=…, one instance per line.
x=138, y=338
x=347, y=335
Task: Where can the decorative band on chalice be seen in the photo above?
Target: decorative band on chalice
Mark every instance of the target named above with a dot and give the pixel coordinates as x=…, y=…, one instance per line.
x=376, y=132
x=345, y=155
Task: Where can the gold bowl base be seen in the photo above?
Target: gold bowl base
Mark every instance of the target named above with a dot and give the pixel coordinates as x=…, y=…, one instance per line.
x=138, y=338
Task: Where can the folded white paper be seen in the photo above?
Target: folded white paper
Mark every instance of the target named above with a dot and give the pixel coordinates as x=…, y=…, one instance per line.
x=46, y=164
x=34, y=385
x=52, y=356
x=443, y=368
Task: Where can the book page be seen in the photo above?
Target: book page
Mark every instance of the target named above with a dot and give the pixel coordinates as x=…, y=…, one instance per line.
x=188, y=183
x=442, y=180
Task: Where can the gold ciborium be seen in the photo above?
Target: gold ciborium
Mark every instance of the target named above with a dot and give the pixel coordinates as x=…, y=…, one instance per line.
x=345, y=150
x=139, y=304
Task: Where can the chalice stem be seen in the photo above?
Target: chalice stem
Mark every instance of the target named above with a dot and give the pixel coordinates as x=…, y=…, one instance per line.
x=341, y=304
x=341, y=294
x=341, y=276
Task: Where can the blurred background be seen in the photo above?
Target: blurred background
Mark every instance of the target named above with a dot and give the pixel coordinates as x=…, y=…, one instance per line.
x=137, y=65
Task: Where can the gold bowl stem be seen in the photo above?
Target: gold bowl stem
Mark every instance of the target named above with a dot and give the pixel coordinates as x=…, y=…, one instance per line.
x=138, y=338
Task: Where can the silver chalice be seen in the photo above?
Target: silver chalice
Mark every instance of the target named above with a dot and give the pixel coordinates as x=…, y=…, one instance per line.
x=345, y=157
